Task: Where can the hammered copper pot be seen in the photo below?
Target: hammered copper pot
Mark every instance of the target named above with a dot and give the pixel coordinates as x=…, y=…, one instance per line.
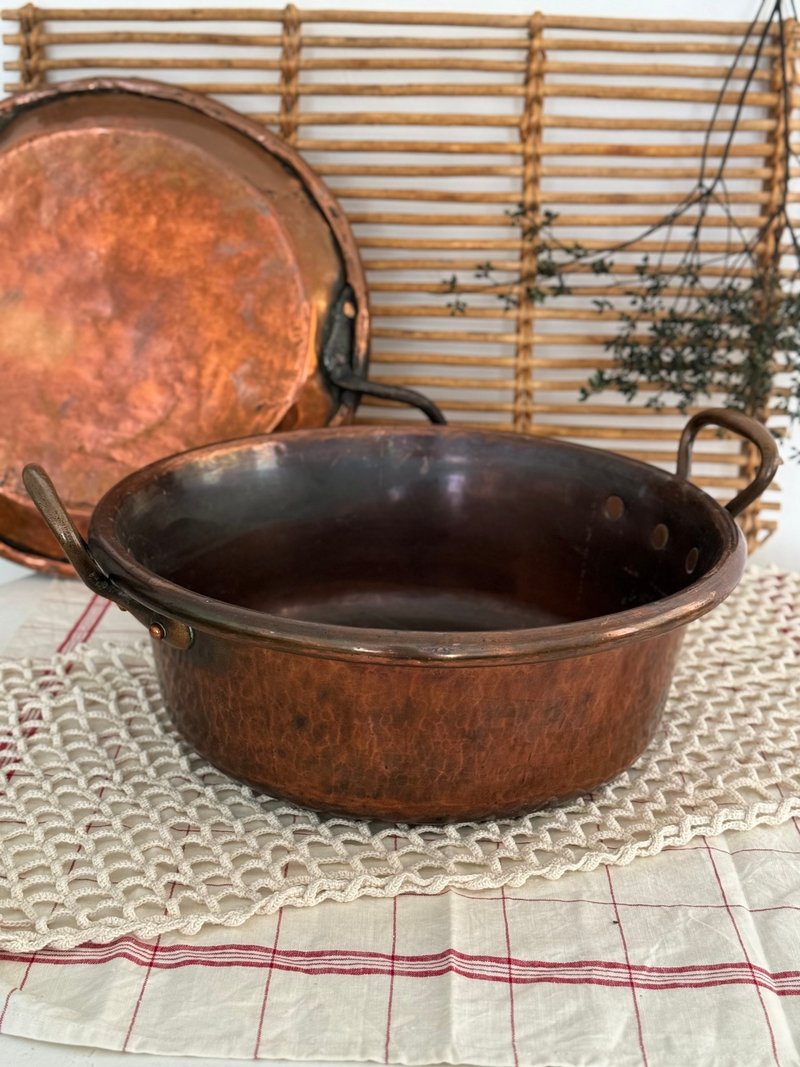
x=414, y=624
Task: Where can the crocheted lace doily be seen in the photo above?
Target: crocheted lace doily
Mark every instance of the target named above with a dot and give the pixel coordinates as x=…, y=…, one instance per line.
x=110, y=824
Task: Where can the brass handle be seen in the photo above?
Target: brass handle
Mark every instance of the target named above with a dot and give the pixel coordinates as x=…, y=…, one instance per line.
x=745, y=426
x=50, y=506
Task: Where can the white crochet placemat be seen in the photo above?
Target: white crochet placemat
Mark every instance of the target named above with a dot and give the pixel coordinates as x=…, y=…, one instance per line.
x=110, y=824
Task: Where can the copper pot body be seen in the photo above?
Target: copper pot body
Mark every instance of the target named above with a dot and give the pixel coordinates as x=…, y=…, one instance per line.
x=414, y=743
x=415, y=624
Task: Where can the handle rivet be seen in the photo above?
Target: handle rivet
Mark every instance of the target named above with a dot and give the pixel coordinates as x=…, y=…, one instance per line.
x=349, y=309
x=157, y=631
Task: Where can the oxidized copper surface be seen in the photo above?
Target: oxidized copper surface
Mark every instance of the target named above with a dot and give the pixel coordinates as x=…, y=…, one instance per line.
x=165, y=281
x=415, y=624
x=417, y=743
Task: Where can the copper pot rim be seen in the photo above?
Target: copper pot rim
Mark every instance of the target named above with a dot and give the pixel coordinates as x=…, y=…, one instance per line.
x=415, y=647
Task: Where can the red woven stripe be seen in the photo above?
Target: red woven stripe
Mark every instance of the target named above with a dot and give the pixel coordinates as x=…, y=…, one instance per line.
x=510, y=980
x=196, y=953
x=448, y=961
x=270, y=970
x=637, y=1014
x=750, y=966
x=392, y=962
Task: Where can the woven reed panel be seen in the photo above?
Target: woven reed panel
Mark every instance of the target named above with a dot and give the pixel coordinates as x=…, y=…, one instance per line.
x=433, y=129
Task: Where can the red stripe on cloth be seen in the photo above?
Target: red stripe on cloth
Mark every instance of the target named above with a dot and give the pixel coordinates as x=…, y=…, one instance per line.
x=740, y=939
x=628, y=965
x=391, y=978
x=71, y=638
x=449, y=961
x=196, y=954
x=16, y=989
x=148, y=972
x=265, y=998
x=510, y=979
x=138, y=1003
x=611, y=979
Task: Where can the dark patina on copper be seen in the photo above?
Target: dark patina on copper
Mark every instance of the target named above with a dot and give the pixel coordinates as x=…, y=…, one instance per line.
x=416, y=624
x=169, y=277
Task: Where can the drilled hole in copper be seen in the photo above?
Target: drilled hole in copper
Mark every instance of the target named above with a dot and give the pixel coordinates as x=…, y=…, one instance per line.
x=691, y=560
x=614, y=508
x=659, y=537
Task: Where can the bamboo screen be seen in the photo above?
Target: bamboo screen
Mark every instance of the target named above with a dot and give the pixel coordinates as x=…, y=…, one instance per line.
x=434, y=129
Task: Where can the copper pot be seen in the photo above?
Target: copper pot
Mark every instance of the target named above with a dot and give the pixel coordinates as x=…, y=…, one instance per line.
x=415, y=624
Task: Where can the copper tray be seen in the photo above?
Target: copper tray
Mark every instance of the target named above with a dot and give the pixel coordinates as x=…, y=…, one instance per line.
x=170, y=276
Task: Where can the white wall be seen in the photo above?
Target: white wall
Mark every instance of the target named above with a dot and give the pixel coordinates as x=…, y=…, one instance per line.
x=784, y=547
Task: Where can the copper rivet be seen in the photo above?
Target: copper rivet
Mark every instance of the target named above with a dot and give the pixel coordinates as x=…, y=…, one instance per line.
x=349, y=309
x=614, y=508
x=659, y=537
x=157, y=631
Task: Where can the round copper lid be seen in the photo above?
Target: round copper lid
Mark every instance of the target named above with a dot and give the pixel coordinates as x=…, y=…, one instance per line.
x=170, y=277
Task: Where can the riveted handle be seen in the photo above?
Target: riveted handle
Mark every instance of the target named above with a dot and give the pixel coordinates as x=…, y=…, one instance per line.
x=50, y=506
x=337, y=365
x=745, y=426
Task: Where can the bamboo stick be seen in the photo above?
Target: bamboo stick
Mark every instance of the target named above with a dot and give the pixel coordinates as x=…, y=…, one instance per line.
x=684, y=125
x=455, y=118
x=494, y=66
x=478, y=336
x=543, y=314
x=513, y=43
x=389, y=170
x=656, y=47
x=592, y=244
x=579, y=122
x=492, y=337
x=510, y=267
x=480, y=148
x=477, y=196
x=597, y=405
x=514, y=170
x=575, y=122
x=442, y=243
x=442, y=359
x=406, y=118
x=487, y=89
x=169, y=37
x=390, y=18
x=511, y=288
x=418, y=218
x=451, y=264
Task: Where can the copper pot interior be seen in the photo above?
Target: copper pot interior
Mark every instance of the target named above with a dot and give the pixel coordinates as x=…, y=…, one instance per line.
x=420, y=530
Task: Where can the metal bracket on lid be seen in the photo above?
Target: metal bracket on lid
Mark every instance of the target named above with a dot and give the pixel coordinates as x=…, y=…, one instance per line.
x=337, y=364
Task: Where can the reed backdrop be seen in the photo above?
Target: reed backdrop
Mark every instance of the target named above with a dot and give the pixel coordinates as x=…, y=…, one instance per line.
x=436, y=131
